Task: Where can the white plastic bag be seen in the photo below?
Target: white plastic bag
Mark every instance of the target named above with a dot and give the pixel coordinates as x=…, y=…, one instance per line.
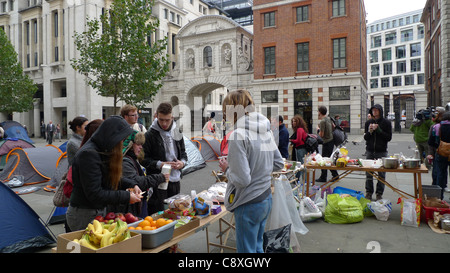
x=284, y=211
x=381, y=209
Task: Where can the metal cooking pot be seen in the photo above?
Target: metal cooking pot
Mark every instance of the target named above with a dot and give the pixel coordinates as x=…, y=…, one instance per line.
x=411, y=163
x=445, y=222
x=390, y=162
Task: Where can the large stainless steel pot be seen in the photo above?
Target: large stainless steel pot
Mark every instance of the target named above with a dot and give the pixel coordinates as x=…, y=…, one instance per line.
x=390, y=162
x=445, y=222
x=411, y=163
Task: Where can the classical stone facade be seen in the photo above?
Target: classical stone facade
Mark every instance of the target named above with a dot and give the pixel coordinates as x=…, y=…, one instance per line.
x=215, y=54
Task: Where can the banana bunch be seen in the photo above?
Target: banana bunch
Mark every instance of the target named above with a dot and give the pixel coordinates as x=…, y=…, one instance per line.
x=98, y=235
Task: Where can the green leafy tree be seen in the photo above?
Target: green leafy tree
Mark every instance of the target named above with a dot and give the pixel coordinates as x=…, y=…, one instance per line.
x=16, y=89
x=116, y=57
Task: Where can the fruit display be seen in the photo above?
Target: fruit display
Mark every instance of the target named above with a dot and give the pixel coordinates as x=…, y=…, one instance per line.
x=112, y=217
x=149, y=224
x=100, y=234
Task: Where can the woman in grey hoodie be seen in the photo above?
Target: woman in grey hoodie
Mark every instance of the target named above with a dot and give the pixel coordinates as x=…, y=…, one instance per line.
x=253, y=155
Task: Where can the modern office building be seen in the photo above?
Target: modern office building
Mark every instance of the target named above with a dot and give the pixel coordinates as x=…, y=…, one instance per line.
x=395, y=67
x=308, y=54
x=238, y=10
x=42, y=33
x=435, y=18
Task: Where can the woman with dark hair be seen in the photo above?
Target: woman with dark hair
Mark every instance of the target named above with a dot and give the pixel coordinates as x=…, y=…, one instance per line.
x=299, y=136
x=97, y=173
x=77, y=125
x=90, y=128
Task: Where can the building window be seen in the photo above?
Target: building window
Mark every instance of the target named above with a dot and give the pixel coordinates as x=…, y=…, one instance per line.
x=269, y=60
x=338, y=8
x=415, y=50
x=409, y=80
x=415, y=65
x=375, y=41
x=385, y=82
x=386, y=54
x=373, y=56
x=339, y=53
x=35, y=31
x=302, y=14
x=420, y=32
x=303, y=57
x=391, y=38
x=340, y=93
x=374, y=83
x=406, y=35
x=396, y=81
x=269, y=96
x=420, y=78
x=269, y=19
x=387, y=69
x=401, y=67
x=55, y=23
x=207, y=57
x=375, y=70
x=400, y=52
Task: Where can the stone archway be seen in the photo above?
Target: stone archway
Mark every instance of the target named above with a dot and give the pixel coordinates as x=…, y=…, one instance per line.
x=227, y=65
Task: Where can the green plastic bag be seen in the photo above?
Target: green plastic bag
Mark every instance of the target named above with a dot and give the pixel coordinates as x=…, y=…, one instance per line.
x=366, y=211
x=343, y=210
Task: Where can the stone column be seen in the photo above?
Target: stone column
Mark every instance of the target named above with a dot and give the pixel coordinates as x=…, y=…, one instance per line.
x=36, y=119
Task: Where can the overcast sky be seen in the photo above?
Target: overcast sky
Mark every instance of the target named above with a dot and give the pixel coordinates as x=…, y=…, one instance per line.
x=379, y=9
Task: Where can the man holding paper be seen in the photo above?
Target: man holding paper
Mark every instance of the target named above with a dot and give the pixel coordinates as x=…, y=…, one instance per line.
x=164, y=147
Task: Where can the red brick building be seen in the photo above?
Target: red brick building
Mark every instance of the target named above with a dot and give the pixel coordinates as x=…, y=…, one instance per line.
x=311, y=53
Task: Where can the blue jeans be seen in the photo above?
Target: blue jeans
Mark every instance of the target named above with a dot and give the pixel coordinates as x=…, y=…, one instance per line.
x=250, y=221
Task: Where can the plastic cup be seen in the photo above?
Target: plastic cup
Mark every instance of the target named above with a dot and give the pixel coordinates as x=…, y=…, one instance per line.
x=166, y=169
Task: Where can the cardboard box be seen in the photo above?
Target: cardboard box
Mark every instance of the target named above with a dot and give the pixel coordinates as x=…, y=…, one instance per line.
x=65, y=244
x=194, y=223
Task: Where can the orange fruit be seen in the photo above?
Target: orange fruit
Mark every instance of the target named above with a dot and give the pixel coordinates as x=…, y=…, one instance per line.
x=138, y=228
x=169, y=221
x=144, y=223
x=147, y=228
x=160, y=222
x=148, y=218
x=153, y=223
x=131, y=228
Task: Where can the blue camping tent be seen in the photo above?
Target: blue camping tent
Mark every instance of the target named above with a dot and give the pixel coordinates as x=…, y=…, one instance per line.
x=21, y=229
x=15, y=130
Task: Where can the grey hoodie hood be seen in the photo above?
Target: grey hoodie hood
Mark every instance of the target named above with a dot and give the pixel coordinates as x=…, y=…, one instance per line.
x=113, y=130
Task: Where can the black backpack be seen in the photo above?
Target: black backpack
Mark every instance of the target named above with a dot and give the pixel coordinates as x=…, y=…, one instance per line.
x=339, y=135
x=311, y=143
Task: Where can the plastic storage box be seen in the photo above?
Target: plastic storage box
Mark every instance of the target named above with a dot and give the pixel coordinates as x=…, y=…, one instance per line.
x=432, y=205
x=431, y=191
x=157, y=237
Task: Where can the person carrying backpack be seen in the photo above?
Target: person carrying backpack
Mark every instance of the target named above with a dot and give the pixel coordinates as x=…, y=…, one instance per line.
x=440, y=132
x=325, y=131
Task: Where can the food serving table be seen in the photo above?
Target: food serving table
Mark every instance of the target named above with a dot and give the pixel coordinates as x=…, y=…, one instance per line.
x=204, y=224
x=416, y=172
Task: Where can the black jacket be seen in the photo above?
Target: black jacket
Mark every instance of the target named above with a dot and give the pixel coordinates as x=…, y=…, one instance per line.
x=377, y=141
x=90, y=169
x=154, y=150
x=132, y=170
